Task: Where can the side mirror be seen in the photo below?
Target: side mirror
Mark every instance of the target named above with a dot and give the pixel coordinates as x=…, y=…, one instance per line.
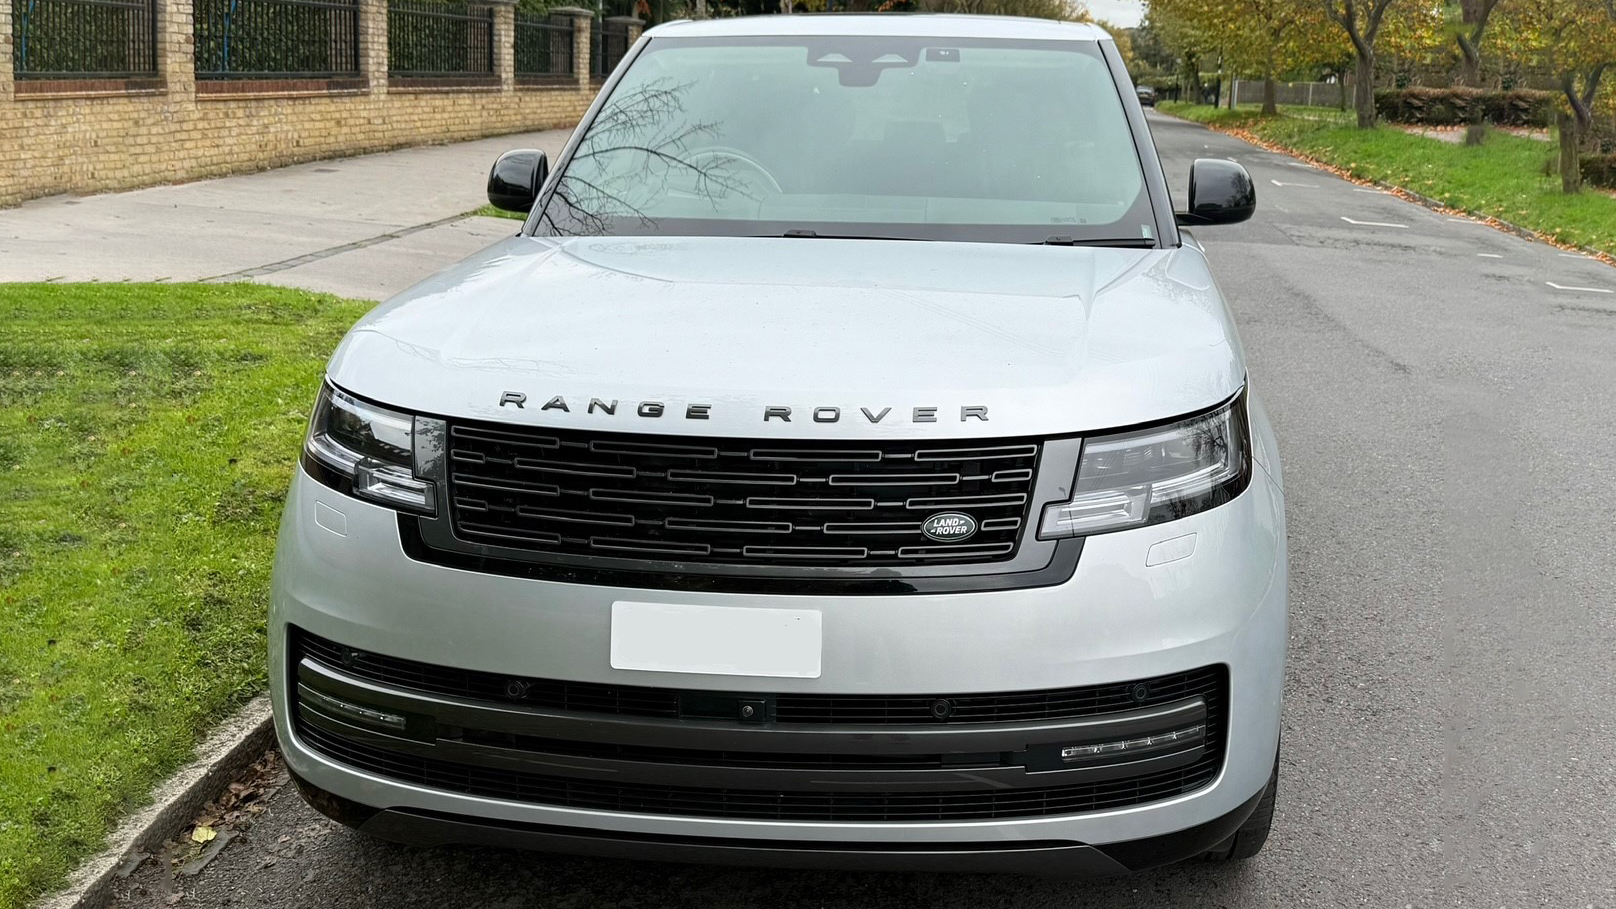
x=1221, y=192
x=514, y=183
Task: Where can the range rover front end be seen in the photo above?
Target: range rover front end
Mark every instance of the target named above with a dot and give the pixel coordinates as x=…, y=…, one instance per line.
x=717, y=539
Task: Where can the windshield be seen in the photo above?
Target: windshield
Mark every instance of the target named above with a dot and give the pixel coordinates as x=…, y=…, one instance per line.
x=902, y=138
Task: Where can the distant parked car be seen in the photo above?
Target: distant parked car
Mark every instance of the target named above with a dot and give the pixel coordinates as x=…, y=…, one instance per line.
x=1147, y=95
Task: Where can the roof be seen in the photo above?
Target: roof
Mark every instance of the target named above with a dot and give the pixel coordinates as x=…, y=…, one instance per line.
x=887, y=24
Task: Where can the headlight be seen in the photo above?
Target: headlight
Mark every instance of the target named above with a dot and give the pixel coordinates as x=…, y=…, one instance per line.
x=370, y=447
x=1148, y=476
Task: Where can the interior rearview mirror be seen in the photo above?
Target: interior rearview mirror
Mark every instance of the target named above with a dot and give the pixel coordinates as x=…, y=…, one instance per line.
x=1221, y=192
x=514, y=182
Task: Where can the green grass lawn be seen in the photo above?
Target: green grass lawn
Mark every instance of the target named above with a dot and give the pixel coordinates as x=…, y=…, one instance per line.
x=489, y=211
x=147, y=435
x=1504, y=178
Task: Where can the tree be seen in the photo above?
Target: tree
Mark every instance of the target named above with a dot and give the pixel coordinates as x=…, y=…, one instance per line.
x=1172, y=24
x=1254, y=36
x=1475, y=15
x=1072, y=10
x=1362, y=20
x=1575, y=40
x=1150, y=48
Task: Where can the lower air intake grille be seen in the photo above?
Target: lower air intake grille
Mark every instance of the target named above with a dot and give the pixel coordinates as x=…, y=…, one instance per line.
x=646, y=798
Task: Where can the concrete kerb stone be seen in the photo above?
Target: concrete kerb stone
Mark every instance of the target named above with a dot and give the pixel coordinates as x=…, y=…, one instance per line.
x=232, y=747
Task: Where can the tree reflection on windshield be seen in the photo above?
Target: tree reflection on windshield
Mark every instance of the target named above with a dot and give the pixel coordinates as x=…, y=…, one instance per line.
x=647, y=122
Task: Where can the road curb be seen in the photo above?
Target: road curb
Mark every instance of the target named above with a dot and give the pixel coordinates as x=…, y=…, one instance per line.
x=229, y=750
x=1525, y=233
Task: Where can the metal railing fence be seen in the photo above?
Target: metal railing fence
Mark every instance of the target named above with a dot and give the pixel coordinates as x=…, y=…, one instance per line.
x=608, y=43
x=83, y=39
x=247, y=39
x=543, y=48
x=431, y=38
x=1309, y=94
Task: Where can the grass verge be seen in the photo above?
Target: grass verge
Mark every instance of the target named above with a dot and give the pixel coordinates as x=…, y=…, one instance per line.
x=1505, y=178
x=489, y=211
x=147, y=433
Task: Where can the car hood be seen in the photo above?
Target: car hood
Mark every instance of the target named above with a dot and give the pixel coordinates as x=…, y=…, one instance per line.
x=1047, y=339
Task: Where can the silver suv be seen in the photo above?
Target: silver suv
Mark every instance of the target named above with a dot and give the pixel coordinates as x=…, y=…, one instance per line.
x=850, y=463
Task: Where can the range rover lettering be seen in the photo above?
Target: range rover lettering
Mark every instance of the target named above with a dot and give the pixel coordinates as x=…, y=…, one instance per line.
x=851, y=462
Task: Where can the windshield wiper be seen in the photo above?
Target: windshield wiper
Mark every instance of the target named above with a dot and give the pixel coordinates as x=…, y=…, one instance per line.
x=816, y=235
x=1119, y=242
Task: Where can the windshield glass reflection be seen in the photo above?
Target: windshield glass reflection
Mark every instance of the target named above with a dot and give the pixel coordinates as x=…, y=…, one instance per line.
x=901, y=138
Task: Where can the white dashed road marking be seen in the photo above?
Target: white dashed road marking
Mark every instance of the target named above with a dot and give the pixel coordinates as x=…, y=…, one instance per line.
x=1378, y=192
x=1489, y=256
x=1373, y=223
x=1302, y=185
x=1586, y=290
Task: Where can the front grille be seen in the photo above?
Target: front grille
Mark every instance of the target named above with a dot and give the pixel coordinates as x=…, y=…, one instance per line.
x=735, y=502
x=848, y=710
x=649, y=798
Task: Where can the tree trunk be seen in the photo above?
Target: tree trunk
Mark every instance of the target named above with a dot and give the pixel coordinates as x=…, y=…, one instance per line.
x=1341, y=86
x=1570, y=153
x=1364, y=91
x=1270, y=88
x=1471, y=62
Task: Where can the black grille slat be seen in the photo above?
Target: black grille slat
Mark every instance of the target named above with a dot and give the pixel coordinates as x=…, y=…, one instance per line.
x=954, y=551
x=708, y=500
x=861, y=709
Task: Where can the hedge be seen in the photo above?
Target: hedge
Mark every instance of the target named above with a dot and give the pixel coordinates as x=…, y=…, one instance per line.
x=1459, y=106
x=1599, y=170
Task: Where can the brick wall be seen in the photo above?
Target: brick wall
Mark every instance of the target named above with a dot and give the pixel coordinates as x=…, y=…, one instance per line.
x=92, y=136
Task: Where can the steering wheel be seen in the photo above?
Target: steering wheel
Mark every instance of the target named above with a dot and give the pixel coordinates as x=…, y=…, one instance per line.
x=719, y=152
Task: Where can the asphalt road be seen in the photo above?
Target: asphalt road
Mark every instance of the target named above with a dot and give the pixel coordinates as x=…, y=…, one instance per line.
x=1445, y=415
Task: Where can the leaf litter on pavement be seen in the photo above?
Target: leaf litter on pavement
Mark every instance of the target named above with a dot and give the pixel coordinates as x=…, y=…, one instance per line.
x=221, y=820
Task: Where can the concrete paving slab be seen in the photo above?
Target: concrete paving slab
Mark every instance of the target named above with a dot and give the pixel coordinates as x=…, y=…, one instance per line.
x=379, y=271
x=210, y=228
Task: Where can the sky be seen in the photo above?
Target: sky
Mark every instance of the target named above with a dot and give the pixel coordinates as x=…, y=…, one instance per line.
x=1121, y=13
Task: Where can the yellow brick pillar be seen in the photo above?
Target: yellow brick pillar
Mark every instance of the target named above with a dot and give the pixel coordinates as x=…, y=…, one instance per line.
x=373, y=44
x=176, y=49
x=627, y=25
x=7, y=61
x=505, y=43
x=581, y=20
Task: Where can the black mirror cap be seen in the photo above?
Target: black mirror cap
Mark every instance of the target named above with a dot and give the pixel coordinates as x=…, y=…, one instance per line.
x=1221, y=192
x=514, y=182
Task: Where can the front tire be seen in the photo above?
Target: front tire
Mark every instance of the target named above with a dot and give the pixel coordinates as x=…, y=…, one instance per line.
x=1249, y=839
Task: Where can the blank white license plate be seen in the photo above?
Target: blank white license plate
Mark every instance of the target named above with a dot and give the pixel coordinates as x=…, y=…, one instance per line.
x=716, y=640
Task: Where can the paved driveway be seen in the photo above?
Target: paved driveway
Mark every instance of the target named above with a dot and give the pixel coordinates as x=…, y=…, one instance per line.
x=364, y=227
x=1445, y=407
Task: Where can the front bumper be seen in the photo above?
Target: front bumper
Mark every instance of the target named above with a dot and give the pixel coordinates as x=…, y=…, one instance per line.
x=342, y=576
x=1050, y=859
